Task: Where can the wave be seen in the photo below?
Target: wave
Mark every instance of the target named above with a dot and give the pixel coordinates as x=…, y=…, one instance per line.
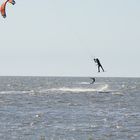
x=101, y=88
x=79, y=89
x=17, y=92
x=66, y=89
x=117, y=93
x=84, y=83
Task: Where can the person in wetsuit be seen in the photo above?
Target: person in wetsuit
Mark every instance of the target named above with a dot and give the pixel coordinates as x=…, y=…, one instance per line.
x=96, y=60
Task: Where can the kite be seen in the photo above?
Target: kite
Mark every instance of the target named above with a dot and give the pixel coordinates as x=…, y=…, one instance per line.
x=3, y=7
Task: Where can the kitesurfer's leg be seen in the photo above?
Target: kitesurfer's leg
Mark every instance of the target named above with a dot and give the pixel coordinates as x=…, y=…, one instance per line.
x=98, y=68
x=102, y=68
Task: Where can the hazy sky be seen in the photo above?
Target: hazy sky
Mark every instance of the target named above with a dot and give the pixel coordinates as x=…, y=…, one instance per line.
x=61, y=37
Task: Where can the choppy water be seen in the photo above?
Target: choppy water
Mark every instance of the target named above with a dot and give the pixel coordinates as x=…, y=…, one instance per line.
x=45, y=108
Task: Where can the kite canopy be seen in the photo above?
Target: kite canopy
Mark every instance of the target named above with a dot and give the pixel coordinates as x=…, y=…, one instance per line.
x=12, y=2
x=3, y=7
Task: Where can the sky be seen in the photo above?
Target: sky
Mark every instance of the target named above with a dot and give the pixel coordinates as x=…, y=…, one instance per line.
x=61, y=38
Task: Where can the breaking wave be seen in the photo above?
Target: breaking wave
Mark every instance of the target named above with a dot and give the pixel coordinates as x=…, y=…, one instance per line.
x=79, y=89
x=17, y=92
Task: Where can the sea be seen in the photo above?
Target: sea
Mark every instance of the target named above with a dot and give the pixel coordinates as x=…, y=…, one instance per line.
x=69, y=108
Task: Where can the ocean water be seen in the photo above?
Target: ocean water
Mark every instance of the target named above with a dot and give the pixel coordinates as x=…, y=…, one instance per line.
x=68, y=108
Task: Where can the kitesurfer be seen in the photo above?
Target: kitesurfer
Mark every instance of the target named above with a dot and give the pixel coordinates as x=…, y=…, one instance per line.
x=96, y=60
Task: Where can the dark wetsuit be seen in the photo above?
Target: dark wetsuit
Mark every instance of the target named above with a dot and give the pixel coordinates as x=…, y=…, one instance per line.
x=99, y=64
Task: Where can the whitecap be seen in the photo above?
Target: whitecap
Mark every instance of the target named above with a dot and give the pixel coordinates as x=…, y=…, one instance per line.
x=80, y=89
x=84, y=83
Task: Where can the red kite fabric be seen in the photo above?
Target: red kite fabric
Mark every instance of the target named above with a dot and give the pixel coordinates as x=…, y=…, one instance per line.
x=3, y=7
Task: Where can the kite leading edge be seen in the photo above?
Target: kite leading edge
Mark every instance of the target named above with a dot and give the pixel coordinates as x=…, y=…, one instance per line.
x=3, y=7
